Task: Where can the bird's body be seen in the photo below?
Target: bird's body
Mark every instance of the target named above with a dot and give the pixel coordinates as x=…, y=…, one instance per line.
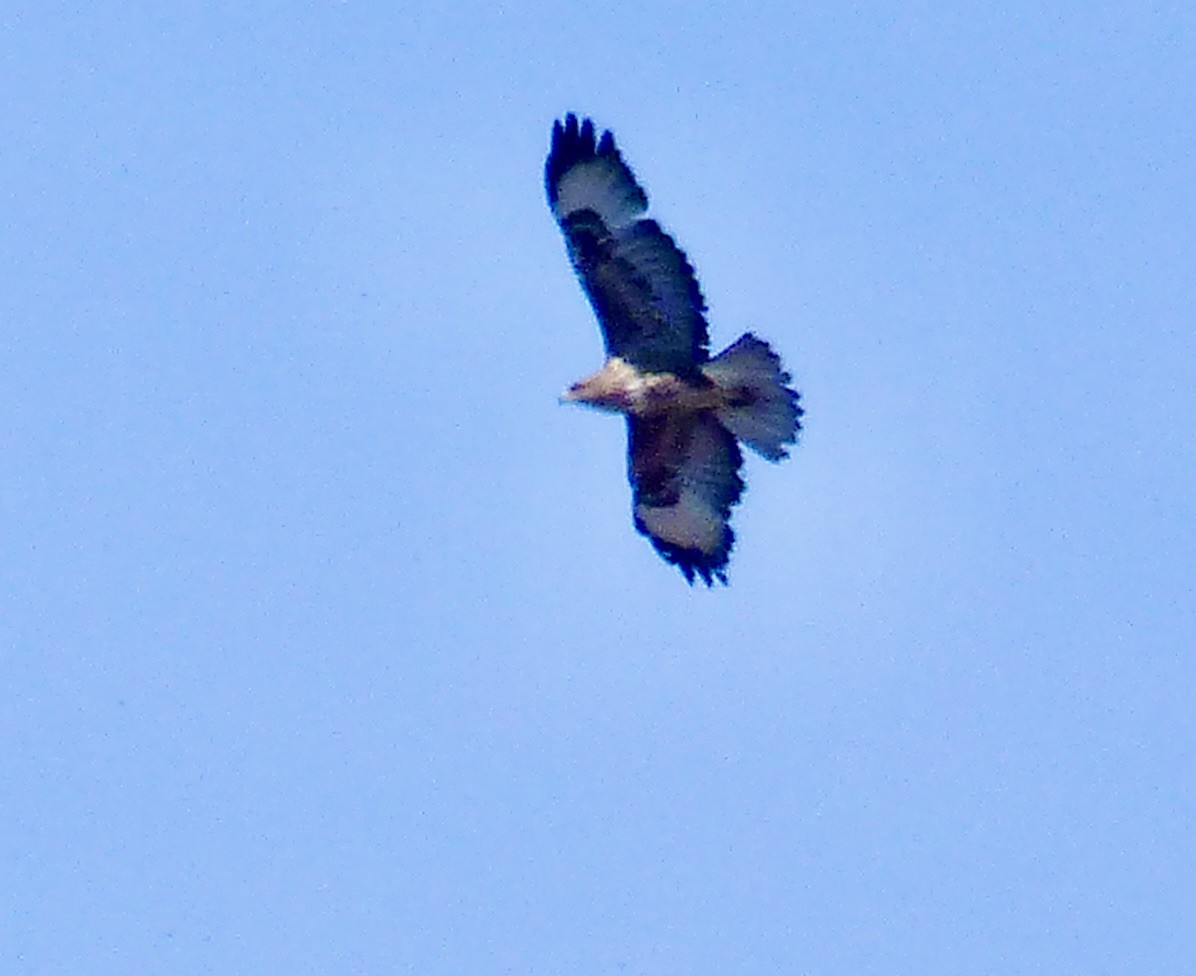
x=621, y=388
x=686, y=413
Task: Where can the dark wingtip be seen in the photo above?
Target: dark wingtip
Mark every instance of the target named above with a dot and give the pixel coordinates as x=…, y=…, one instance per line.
x=576, y=140
x=693, y=563
x=709, y=575
x=573, y=142
x=700, y=570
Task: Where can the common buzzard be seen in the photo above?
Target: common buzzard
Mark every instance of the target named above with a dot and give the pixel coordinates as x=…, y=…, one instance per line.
x=686, y=413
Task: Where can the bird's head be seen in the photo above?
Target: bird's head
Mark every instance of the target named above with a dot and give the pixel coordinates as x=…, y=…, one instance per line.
x=605, y=390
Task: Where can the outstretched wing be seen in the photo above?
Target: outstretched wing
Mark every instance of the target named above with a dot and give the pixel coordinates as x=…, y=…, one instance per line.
x=641, y=285
x=684, y=473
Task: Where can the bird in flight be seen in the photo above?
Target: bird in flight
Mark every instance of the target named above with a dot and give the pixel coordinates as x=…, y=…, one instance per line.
x=687, y=413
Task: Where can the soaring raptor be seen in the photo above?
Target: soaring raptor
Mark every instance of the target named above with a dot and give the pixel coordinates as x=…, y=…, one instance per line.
x=686, y=413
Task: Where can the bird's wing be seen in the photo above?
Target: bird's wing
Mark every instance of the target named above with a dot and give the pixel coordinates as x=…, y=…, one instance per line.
x=684, y=473
x=641, y=285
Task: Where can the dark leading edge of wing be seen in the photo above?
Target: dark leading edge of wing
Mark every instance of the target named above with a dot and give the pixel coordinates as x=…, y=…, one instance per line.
x=640, y=284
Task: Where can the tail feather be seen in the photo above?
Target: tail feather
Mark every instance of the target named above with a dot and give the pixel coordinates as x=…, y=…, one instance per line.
x=762, y=410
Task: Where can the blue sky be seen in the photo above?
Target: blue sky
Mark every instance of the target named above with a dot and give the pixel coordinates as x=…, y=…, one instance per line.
x=327, y=643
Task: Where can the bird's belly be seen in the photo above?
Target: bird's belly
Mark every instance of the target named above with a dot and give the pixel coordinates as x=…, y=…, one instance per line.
x=654, y=394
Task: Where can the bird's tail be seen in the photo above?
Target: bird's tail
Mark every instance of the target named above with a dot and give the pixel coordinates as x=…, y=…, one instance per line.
x=762, y=411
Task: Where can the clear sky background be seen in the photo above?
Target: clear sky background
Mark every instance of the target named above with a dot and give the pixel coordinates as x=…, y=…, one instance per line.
x=327, y=643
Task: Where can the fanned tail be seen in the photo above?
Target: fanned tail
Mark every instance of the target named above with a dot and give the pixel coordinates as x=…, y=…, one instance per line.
x=762, y=410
